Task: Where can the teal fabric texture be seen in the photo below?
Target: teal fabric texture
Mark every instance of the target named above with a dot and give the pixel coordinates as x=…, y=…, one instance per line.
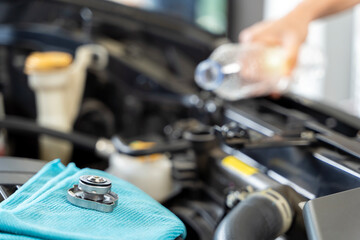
x=40, y=210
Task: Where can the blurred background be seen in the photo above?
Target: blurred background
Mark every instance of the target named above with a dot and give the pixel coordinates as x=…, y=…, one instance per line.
x=335, y=36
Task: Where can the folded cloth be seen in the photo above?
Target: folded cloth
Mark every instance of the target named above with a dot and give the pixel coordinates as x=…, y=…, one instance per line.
x=48, y=172
x=8, y=236
x=40, y=210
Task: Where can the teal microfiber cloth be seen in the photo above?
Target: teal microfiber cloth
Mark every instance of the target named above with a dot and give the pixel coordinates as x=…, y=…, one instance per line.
x=40, y=210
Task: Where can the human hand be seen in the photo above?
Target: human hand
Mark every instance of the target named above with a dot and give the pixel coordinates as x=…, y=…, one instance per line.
x=288, y=32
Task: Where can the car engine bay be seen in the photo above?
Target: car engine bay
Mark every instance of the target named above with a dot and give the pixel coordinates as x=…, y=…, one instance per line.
x=226, y=169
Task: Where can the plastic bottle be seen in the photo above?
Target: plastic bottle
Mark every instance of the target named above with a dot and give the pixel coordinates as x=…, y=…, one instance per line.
x=235, y=71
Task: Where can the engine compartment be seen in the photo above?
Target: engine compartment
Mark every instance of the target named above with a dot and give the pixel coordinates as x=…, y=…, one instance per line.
x=302, y=148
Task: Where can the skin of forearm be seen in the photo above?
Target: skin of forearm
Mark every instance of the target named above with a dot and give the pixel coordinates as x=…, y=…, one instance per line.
x=314, y=9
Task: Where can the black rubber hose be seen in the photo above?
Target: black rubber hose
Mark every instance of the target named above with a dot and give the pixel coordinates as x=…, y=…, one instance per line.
x=255, y=218
x=24, y=126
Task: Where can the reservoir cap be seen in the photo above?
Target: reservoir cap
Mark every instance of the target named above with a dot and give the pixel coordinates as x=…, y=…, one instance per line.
x=47, y=61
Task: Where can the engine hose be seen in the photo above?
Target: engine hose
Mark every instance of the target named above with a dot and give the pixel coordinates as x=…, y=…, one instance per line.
x=24, y=126
x=102, y=147
x=262, y=215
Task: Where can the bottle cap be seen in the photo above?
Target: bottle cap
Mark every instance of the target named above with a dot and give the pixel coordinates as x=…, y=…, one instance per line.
x=140, y=145
x=47, y=61
x=208, y=75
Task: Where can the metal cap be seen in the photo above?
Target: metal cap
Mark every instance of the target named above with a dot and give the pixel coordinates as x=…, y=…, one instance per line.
x=94, y=184
x=93, y=192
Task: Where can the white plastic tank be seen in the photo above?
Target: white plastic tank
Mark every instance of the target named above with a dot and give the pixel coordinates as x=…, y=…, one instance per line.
x=58, y=82
x=152, y=173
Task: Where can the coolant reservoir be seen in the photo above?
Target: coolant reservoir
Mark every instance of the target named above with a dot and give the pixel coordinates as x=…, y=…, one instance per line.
x=58, y=82
x=152, y=173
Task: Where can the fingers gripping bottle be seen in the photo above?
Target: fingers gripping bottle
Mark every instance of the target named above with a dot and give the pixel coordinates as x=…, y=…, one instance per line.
x=236, y=71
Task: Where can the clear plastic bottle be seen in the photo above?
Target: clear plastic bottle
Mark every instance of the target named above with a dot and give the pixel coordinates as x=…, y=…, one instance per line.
x=235, y=71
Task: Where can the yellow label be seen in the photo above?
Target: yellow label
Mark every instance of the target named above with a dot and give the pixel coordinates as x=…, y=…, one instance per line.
x=239, y=166
x=140, y=145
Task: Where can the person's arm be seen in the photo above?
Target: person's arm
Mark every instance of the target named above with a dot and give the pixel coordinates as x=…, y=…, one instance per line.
x=291, y=30
x=322, y=8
